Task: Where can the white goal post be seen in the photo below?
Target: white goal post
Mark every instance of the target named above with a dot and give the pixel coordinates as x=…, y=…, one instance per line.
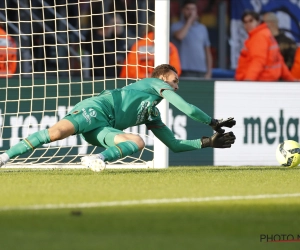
x=54, y=54
x=162, y=30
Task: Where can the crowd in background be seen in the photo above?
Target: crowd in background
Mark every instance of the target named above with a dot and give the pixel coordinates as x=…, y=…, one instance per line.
x=261, y=58
x=116, y=39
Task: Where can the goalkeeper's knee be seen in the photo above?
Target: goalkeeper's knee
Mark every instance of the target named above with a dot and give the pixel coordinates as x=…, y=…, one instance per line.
x=119, y=151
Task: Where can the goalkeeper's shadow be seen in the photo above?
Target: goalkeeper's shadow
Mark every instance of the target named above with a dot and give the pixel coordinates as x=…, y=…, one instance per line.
x=132, y=171
x=254, y=168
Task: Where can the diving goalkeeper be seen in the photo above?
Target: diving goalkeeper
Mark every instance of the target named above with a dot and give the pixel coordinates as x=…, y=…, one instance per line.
x=101, y=119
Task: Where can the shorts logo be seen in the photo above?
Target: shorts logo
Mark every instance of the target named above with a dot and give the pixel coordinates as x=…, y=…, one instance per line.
x=86, y=116
x=92, y=112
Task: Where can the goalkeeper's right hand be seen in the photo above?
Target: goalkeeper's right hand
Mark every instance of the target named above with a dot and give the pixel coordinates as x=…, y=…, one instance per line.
x=218, y=124
x=218, y=140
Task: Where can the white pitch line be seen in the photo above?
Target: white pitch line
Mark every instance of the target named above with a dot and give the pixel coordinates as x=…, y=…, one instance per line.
x=149, y=202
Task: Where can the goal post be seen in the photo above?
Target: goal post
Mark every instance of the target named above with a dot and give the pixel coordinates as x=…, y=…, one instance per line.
x=162, y=30
x=67, y=51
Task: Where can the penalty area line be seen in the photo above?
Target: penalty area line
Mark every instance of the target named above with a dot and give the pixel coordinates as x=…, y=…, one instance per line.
x=148, y=202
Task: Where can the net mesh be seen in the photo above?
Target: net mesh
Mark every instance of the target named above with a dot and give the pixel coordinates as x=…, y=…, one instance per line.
x=54, y=54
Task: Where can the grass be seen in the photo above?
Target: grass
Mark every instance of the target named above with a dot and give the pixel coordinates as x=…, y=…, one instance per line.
x=231, y=224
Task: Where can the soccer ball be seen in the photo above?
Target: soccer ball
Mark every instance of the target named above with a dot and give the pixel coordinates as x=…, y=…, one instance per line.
x=288, y=153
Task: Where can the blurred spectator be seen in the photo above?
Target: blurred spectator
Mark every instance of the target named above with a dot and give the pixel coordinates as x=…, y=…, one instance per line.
x=133, y=12
x=260, y=59
x=8, y=54
x=296, y=66
x=287, y=46
x=102, y=49
x=140, y=59
x=119, y=39
x=119, y=34
x=192, y=41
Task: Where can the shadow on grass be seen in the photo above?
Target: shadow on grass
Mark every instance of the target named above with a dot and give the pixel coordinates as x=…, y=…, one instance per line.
x=252, y=168
x=188, y=169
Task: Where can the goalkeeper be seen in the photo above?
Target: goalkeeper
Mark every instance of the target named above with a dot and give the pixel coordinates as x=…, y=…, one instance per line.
x=100, y=120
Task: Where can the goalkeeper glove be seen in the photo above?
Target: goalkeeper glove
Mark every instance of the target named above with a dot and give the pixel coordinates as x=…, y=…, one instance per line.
x=218, y=124
x=218, y=140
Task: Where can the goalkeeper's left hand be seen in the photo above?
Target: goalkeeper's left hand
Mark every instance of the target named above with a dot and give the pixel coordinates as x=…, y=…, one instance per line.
x=218, y=124
x=218, y=140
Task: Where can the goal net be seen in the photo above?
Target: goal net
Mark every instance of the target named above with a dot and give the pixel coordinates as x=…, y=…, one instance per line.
x=54, y=54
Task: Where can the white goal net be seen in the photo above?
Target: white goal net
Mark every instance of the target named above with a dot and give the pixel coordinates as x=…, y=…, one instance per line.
x=54, y=54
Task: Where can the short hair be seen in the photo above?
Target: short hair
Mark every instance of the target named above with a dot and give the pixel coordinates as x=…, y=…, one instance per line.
x=252, y=13
x=162, y=70
x=270, y=16
x=189, y=2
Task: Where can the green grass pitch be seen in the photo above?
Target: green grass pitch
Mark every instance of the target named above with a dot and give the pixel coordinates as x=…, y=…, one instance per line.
x=202, y=224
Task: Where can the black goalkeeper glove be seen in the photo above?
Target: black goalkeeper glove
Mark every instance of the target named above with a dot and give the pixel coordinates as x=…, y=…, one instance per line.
x=218, y=124
x=218, y=140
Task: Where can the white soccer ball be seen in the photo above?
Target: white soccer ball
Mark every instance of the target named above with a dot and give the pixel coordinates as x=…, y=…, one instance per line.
x=288, y=153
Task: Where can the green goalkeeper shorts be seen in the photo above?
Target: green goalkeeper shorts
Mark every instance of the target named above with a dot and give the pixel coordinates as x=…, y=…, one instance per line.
x=101, y=137
x=93, y=119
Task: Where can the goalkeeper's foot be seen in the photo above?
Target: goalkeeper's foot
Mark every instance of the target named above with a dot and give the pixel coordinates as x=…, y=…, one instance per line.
x=2, y=159
x=93, y=162
x=2, y=163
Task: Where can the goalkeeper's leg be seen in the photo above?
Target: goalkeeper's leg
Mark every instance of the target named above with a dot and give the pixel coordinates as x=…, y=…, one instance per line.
x=117, y=143
x=60, y=130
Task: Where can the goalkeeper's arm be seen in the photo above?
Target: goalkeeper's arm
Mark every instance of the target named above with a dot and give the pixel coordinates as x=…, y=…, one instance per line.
x=196, y=113
x=187, y=108
x=164, y=134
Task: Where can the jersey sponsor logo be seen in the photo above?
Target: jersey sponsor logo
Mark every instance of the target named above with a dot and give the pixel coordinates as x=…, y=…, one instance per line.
x=147, y=111
x=92, y=112
x=143, y=110
x=86, y=116
x=153, y=112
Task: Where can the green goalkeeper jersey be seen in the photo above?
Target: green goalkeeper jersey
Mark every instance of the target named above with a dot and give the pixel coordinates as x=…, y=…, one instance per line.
x=136, y=104
x=133, y=105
